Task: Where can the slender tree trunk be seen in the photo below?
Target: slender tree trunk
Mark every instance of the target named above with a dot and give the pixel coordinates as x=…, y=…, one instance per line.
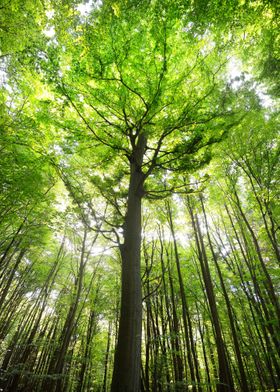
x=207, y=370
x=225, y=376
x=268, y=282
x=13, y=241
x=243, y=379
x=192, y=357
x=169, y=318
x=10, y=277
x=262, y=295
x=264, y=206
x=86, y=352
x=175, y=339
x=106, y=362
x=58, y=360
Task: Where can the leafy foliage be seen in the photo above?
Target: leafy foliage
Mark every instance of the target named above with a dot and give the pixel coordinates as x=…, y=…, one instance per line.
x=91, y=94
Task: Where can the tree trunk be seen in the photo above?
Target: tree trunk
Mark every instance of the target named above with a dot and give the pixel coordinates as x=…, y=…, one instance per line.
x=243, y=379
x=191, y=352
x=225, y=376
x=127, y=364
x=106, y=362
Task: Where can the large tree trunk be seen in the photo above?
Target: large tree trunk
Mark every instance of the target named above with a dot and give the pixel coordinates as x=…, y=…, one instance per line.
x=127, y=365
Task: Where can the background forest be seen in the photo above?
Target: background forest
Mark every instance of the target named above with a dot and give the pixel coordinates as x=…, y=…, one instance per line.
x=139, y=180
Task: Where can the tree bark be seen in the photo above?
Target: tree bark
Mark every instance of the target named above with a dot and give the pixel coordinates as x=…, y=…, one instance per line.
x=225, y=377
x=243, y=378
x=127, y=364
x=191, y=352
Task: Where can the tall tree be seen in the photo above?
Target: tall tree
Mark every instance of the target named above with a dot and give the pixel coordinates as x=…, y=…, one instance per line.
x=107, y=108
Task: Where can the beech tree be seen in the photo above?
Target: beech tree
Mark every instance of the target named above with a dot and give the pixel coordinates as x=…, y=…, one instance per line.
x=137, y=94
x=116, y=115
